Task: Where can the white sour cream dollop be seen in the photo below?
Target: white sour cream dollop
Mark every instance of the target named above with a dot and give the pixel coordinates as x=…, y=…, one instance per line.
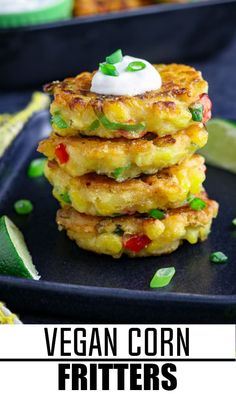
x=127, y=83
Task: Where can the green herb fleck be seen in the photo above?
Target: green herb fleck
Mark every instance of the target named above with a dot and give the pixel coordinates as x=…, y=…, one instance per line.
x=108, y=69
x=59, y=121
x=94, y=125
x=66, y=198
x=120, y=126
x=119, y=171
x=115, y=57
x=118, y=230
x=23, y=207
x=162, y=277
x=234, y=222
x=197, y=112
x=218, y=257
x=156, y=214
x=135, y=66
x=197, y=204
x=36, y=168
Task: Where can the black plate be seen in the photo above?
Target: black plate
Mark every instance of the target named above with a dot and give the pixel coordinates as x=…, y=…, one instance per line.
x=34, y=55
x=90, y=287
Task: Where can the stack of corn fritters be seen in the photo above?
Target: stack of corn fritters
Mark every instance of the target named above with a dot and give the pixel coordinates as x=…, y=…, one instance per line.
x=124, y=168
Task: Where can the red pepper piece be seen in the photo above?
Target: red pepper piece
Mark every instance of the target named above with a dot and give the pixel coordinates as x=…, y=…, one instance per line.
x=61, y=153
x=207, y=105
x=136, y=243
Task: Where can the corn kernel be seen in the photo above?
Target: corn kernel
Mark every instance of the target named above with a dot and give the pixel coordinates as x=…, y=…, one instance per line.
x=153, y=229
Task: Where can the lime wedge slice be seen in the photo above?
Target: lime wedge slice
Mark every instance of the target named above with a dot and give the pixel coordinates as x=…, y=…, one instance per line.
x=15, y=258
x=220, y=150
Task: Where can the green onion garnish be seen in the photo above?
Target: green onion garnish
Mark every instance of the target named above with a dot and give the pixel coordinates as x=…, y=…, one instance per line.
x=234, y=222
x=135, y=66
x=197, y=204
x=197, y=112
x=108, y=69
x=118, y=230
x=115, y=57
x=36, y=168
x=119, y=171
x=156, y=214
x=119, y=126
x=94, y=125
x=162, y=277
x=23, y=207
x=59, y=121
x=66, y=198
x=218, y=257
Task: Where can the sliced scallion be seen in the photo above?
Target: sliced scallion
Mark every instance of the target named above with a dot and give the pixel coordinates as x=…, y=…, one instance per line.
x=156, y=214
x=197, y=204
x=118, y=230
x=135, y=66
x=119, y=171
x=66, y=198
x=197, y=112
x=36, y=168
x=119, y=126
x=218, y=257
x=23, y=207
x=162, y=277
x=115, y=57
x=58, y=121
x=94, y=125
x=108, y=69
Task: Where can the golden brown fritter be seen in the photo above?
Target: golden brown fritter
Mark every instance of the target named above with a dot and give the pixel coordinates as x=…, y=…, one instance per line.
x=122, y=159
x=93, y=7
x=138, y=236
x=101, y=196
x=75, y=110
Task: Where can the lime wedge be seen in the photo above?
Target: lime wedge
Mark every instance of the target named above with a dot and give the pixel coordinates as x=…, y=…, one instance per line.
x=220, y=150
x=15, y=258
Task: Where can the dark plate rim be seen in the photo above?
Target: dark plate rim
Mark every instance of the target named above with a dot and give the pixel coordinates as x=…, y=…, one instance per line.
x=116, y=293
x=105, y=292
x=147, y=10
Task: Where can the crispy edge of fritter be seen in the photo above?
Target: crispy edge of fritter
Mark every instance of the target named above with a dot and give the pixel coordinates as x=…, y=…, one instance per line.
x=95, y=183
x=100, y=235
x=68, y=217
x=94, y=148
x=179, y=83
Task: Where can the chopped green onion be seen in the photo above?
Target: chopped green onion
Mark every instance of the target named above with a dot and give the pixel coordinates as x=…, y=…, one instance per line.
x=156, y=214
x=108, y=69
x=234, y=222
x=66, y=197
x=218, y=257
x=94, y=125
x=135, y=66
x=190, y=198
x=119, y=126
x=36, y=168
x=197, y=112
x=119, y=171
x=59, y=121
x=115, y=57
x=162, y=277
x=23, y=207
x=197, y=204
x=118, y=230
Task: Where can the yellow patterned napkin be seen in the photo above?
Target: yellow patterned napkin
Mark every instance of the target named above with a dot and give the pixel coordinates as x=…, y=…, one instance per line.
x=12, y=124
